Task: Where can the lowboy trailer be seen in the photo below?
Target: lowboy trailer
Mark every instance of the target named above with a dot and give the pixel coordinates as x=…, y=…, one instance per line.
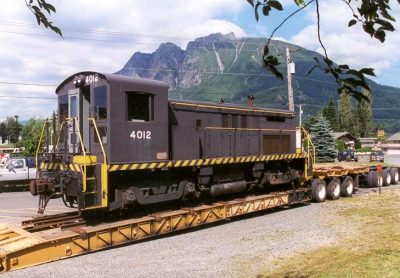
x=29, y=245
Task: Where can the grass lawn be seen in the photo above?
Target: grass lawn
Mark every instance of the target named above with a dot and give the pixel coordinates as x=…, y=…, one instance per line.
x=374, y=252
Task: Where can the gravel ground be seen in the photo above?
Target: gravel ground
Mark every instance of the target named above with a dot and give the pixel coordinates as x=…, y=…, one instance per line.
x=237, y=248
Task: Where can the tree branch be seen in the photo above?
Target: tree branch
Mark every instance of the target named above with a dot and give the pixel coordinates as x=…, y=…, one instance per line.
x=287, y=18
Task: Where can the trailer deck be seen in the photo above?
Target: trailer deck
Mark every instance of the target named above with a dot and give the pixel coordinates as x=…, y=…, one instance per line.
x=20, y=248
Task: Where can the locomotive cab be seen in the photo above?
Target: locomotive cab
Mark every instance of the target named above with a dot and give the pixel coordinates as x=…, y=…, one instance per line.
x=103, y=119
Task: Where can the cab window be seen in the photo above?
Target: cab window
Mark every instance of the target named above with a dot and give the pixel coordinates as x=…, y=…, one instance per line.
x=63, y=107
x=100, y=102
x=140, y=107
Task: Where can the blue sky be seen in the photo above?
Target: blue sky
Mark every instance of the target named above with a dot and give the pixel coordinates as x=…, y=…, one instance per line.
x=102, y=35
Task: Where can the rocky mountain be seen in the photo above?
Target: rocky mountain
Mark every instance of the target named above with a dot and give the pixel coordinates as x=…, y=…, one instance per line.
x=225, y=66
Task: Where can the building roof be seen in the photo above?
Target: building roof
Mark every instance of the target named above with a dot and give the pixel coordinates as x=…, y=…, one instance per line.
x=394, y=137
x=338, y=135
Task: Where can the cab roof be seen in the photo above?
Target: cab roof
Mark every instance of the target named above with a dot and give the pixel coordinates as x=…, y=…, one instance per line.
x=114, y=78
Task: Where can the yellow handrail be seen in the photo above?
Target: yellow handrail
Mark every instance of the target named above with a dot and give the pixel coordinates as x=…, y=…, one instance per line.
x=310, y=153
x=100, y=140
x=59, y=135
x=40, y=144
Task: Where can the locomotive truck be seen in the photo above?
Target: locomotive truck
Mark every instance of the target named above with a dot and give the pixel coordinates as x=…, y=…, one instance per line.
x=122, y=143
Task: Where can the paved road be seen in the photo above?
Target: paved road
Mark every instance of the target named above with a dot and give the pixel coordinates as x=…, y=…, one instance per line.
x=18, y=206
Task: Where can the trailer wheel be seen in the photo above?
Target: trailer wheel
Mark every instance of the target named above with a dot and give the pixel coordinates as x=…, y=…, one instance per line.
x=394, y=173
x=347, y=187
x=374, y=179
x=333, y=189
x=318, y=190
x=387, y=178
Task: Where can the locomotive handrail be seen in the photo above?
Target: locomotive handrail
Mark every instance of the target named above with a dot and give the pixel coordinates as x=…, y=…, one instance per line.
x=83, y=151
x=59, y=135
x=40, y=144
x=99, y=138
x=248, y=129
x=309, y=142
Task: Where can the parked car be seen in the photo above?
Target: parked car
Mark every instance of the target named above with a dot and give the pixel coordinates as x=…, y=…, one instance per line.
x=17, y=171
x=377, y=156
x=347, y=155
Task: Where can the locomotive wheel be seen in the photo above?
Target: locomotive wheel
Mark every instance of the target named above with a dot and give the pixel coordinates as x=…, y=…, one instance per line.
x=387, y=178
x=347, y=187
x=394, y=173
x=318, y=190
x=333, y=189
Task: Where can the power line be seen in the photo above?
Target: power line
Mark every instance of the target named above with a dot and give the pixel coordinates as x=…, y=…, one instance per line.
x=334, y=83
x=126, y=42
x=27, y=84
x=26, y=97
x=108, y=32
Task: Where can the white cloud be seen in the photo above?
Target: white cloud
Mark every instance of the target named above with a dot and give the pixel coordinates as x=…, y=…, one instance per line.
x=349, y=45
x=122, y=28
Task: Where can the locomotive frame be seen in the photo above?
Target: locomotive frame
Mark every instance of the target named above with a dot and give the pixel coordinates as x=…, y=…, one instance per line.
x=123, y=143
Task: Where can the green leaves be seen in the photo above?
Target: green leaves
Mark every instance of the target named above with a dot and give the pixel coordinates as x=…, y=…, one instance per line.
x=271, y=63
x=375, y=17
x=352, y=22
x=267, y=6
x=38, y=10
x=275, y=4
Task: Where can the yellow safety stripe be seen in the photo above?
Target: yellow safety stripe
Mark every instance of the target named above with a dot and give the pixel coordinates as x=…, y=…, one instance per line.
x=59, y=166
x=202, y=162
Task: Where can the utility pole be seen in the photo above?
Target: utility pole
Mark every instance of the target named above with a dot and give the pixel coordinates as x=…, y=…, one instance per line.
x=300, y=114
x=290, y=70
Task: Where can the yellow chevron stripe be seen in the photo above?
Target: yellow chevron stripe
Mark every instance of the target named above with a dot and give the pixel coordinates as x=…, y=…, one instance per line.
x=114, y=168
x=182, y=163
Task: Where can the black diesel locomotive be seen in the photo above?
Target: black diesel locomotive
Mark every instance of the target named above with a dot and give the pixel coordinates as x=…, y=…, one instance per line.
x=120, y=142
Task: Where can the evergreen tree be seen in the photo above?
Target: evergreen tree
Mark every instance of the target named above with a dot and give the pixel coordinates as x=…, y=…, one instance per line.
x=329, y=112
x=364, y=113
x=323, y=140
x=13, y=129
x=3, y=131
x=347, y=115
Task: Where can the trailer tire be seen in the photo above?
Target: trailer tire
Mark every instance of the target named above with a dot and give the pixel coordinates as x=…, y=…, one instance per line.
x=318, y=190
x=387, y=177
x=374, y=179
x=394, y=173
x=333, y=189
x=347, y=187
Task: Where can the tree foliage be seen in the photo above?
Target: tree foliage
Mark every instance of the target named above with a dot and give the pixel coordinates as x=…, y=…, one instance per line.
x=323, y=140
x=347, y=117
x=375, y=19
x=329, y=112
x=364, y=113
x=10, y=130
x=30, y=137
x=39, y=8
